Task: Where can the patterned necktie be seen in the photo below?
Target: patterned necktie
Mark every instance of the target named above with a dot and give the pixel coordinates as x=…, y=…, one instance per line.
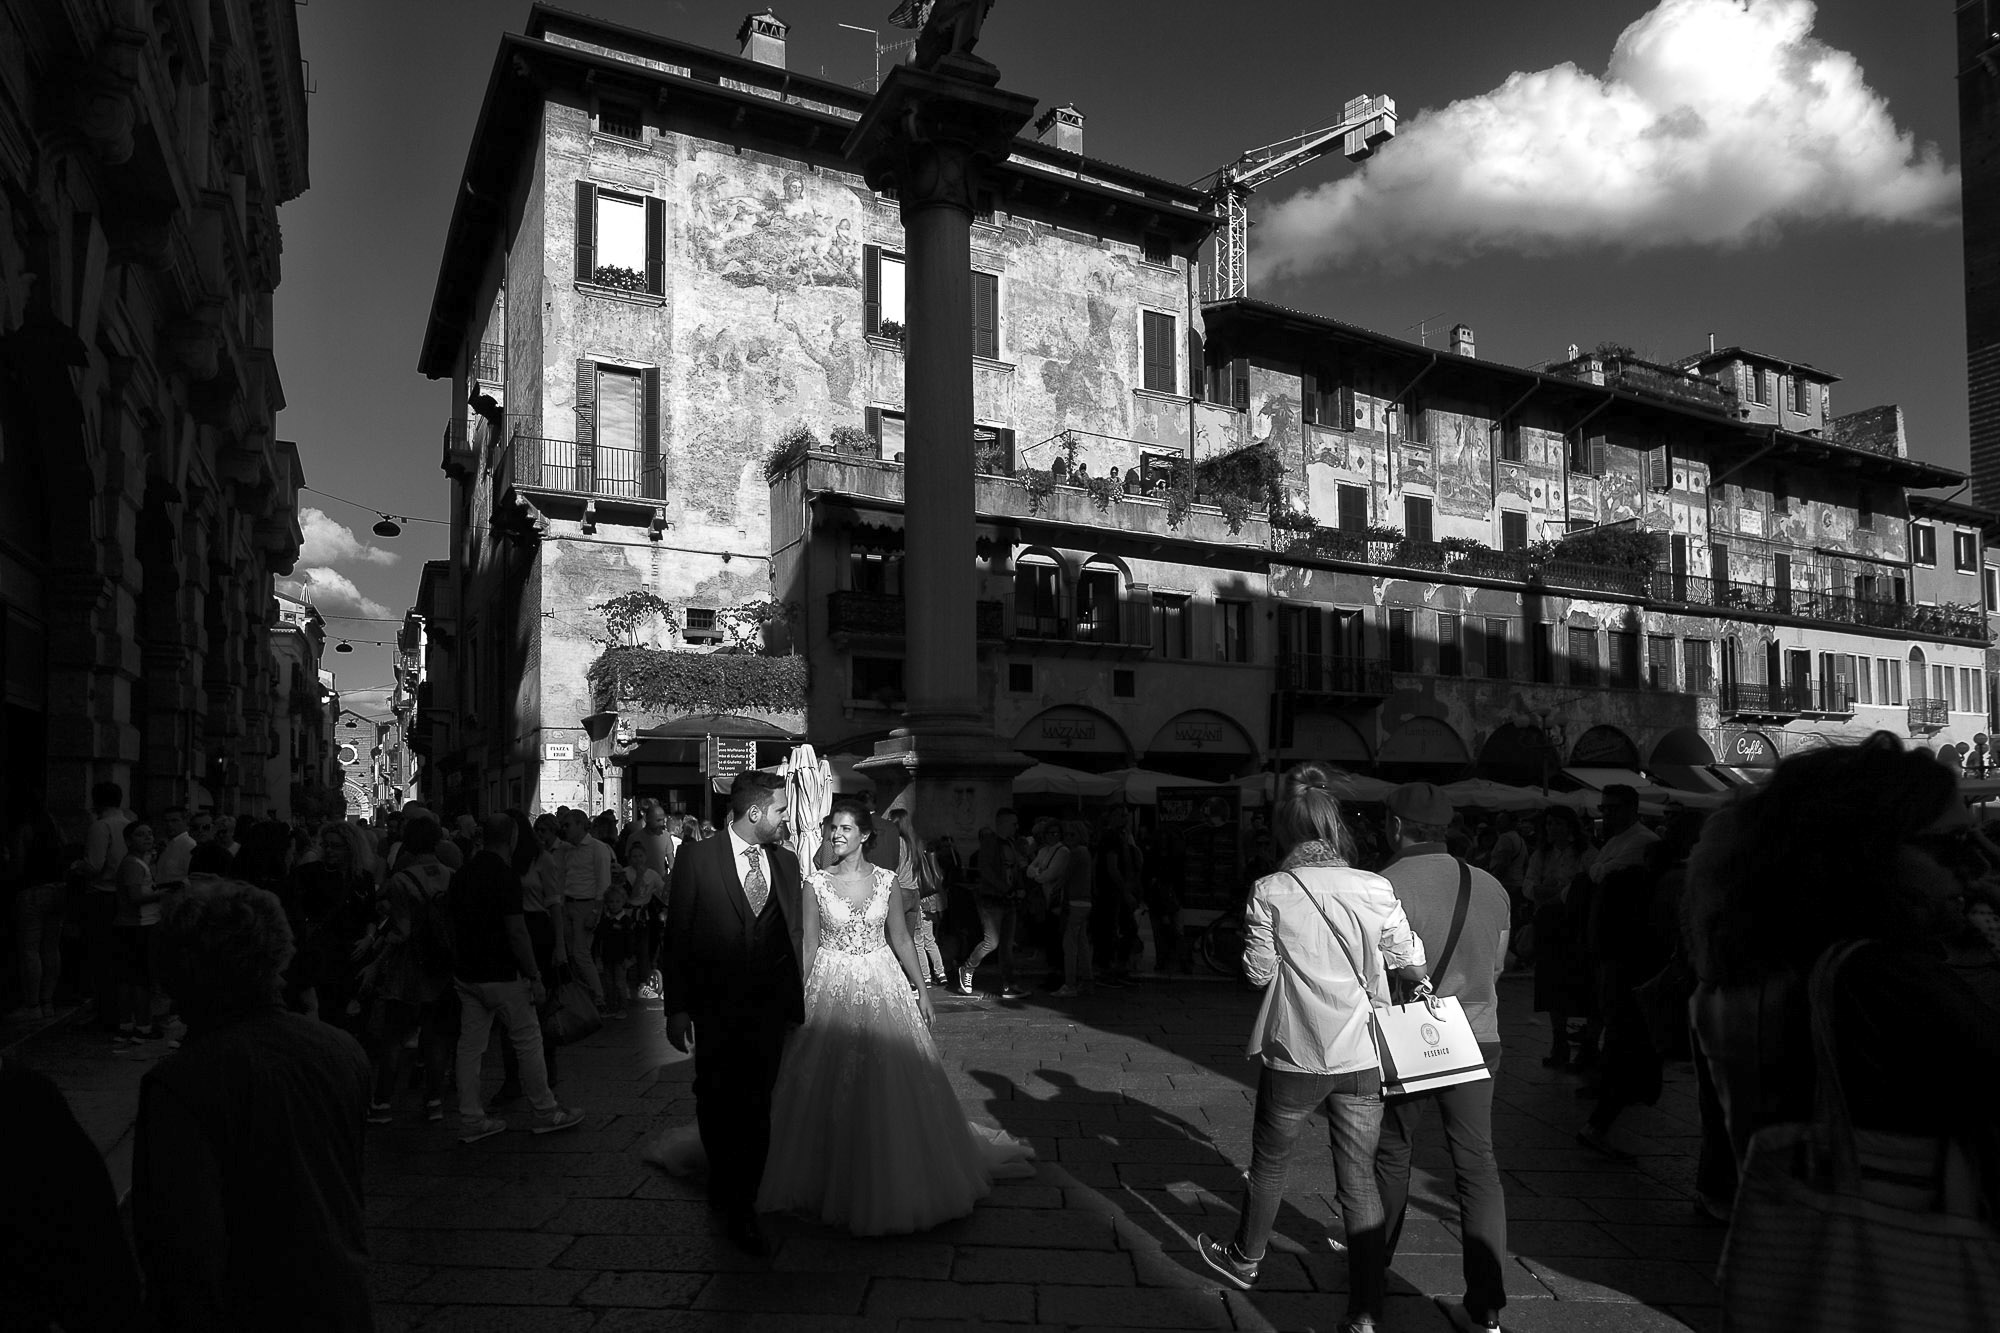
x=754, y=886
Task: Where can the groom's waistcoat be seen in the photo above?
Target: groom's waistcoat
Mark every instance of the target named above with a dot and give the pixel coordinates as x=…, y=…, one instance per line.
x=723, y=959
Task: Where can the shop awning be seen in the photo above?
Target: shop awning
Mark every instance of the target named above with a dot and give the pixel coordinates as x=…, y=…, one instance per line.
x=1055, y=780
x=1597, y=779
x=730, y=725
x=1691, y=778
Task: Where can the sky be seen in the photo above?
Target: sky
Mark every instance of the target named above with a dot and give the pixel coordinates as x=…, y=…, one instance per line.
x=1647, y=172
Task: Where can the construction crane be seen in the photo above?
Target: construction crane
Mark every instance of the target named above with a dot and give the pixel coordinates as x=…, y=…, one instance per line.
x=1365, y=123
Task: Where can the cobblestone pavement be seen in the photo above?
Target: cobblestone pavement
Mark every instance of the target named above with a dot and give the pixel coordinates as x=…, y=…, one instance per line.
x=1139, y=1103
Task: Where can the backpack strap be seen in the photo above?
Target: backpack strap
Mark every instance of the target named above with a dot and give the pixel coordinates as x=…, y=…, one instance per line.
x=1457, y=922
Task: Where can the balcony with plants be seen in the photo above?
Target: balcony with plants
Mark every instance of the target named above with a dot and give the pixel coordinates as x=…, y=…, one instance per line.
x=648, y=684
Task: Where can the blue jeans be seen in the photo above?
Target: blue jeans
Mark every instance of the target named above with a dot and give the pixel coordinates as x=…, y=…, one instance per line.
x=1467, y=1109
x=1353, y=1103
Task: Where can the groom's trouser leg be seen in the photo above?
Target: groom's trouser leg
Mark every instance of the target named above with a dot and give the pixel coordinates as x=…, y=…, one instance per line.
x=735, y=1069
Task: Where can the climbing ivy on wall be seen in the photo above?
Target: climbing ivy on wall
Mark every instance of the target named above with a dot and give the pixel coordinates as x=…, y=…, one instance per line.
x=699, y=682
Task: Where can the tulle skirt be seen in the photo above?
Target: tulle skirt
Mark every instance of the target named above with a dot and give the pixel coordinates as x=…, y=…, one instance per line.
x=866, y=1132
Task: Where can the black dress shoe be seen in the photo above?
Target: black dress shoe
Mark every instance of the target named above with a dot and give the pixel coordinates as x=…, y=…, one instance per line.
x=747, y=1235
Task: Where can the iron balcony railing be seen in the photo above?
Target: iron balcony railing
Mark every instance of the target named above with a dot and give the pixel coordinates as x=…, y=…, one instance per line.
x=563, y=465
x=880, y=614
x=1067, y=618
x=1320, y=673
x=1929, y=715
x=1958, y=622
x=489, y=364
x=1788, y=699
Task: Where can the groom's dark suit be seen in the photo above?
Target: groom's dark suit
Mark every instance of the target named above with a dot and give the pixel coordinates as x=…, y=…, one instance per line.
x=737, y=976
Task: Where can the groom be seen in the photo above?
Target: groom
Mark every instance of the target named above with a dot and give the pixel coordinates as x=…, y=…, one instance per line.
x=733, y=988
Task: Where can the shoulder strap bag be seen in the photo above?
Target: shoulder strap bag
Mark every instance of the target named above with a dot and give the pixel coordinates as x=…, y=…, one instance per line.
x=1426, y=1044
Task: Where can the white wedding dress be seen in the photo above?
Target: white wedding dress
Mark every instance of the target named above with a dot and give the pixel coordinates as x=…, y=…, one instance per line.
x=866, y=1132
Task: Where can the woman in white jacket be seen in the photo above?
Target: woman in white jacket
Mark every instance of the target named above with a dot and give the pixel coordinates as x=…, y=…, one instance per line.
x=1312, y=933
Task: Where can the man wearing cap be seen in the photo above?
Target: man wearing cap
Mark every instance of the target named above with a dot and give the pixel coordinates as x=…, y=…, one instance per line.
x=1461, y=913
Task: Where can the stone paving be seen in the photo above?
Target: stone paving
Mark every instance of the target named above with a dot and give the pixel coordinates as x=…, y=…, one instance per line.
x=1139, y=1104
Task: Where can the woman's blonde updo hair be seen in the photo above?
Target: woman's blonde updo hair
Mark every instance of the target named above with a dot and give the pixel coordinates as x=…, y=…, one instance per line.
x=1308, y=810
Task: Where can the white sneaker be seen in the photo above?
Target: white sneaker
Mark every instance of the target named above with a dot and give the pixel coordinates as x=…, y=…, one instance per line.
x=560, y=1117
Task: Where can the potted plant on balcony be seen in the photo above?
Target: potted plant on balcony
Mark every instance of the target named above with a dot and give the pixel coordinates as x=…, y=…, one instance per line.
x=854, y=442
x=619, y=278
x=797, y=441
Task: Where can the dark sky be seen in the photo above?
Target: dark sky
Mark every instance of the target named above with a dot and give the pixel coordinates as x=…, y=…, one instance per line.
x=1627, y=242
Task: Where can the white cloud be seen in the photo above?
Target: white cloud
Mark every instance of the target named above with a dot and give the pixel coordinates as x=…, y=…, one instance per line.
x=1715, y=124
x=328, y=540
x=330, y=590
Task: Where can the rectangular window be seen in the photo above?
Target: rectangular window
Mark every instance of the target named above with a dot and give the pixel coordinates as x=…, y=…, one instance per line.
x=887, y=427
x=1965, y=551
x=1624, y=659
x=1992, y=588
x=1352, y=502
x=1402, y=641
x=620, y=239
x=1155, y=249
x=993, y=450
x=1021, y=677
x=1124, y=683
x=1232, y=630
x=1170, y=625
x=699, y=625
x=1659, y=662
x=1766, y=382
x=1513, y=531
x=1510, y=442
x=1542, y=652
x=1586, y=455
x=1781, y=494
x=1416, y=518
x=1660, y=469
x=1864, y=511
x=1944, y=685
x=620, y=121
x=1968, y=689
x=1451, y=650
x=986, y=315
x=881, y=293
x=1417, y=428
x=1496, y=649
x=1582, y=656
x=1160, y=351
x=1695, y=677
x=1923, y=544
x=877, y=679
x=1801, y=396
x=874, y=571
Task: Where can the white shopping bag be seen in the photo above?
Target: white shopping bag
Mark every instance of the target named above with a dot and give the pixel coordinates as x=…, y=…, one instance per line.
x=1426, y=1044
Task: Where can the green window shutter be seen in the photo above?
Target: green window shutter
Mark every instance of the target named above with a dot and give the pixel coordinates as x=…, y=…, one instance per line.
x=871, y=289
x=586, y=404
x=1309, y=382
x=1157, y=336
x=586, y=232
x=656, y=246
x=651, y=477
x=986, y=315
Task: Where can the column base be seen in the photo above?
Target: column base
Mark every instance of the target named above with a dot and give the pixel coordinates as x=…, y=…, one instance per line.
x=951, y=779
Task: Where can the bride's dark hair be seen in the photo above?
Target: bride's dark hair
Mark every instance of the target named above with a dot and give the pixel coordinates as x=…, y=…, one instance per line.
x=863, y=820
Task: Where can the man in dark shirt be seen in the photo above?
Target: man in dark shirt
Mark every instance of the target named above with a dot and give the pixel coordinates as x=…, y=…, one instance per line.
x=495, y=973
x=246, y=1169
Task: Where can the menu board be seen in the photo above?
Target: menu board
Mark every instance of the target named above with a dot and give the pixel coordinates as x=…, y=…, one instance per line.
x=1201, y=838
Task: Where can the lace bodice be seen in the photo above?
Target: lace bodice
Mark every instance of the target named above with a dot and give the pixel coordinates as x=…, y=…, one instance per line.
x=844, y=930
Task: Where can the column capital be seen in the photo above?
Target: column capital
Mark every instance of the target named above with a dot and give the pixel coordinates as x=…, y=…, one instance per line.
x=926, y=134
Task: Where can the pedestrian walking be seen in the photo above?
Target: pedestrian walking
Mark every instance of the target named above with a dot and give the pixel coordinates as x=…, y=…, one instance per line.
x=412, y=980
x=1323, y=939
x=496, y=975
x=1079, y=870
x=998, y=891
x=1462, y=915
x=135, y=929
x=586, y=864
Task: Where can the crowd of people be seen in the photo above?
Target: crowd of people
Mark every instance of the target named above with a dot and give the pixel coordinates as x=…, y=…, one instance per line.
x=302, y=969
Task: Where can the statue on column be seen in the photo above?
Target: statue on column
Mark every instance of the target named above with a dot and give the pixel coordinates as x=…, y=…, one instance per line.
x=947, y=31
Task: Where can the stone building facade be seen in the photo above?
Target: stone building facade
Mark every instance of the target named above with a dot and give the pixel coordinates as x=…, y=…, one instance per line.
x=145, y=501
x=660, y=265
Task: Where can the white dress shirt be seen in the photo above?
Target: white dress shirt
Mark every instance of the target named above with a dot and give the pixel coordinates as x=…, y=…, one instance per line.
x=1315, y=1014
x=1622, y=851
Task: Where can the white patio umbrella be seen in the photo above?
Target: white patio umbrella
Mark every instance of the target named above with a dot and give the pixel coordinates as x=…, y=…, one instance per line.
x=1142, y=785
x=1055, y=780
x=1485, y=794
x=809, y=780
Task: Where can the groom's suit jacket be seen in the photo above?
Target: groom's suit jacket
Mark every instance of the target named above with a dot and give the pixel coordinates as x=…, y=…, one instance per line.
x=722, y=962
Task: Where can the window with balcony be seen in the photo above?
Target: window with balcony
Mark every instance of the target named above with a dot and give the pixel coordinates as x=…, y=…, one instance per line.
x=1402, y=641
x=1162, y=374
x=993, y=450
x=1696, y=674
x=1451, y=646
x=1923, y=544
x=1582, y=656
x=616, y=450
x=881, y=293
x=1171, y=626
x=888, y=429
x=1037, y=598
x=1417, y=518
x=1232, y=630
x=620, y=239
x=1352, y=504
x=1965, y=551
x=879, y=572
x=1624, y=659
x=1513, y=531
x=1099, y=599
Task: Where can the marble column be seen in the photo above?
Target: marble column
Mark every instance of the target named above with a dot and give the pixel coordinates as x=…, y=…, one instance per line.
x=928, y=135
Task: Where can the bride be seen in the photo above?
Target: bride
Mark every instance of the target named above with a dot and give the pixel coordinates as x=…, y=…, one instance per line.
x=866, y=1132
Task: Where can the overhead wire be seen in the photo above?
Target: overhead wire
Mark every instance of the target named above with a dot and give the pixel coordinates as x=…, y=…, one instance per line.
x=375, y=509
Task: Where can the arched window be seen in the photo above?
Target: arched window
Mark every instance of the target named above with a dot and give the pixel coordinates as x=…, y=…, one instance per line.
x=1037, y=597
x=1099, y=603
x=1918, y=688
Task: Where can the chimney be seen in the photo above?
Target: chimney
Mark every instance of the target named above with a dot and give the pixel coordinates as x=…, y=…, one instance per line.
x=1711, y=344
x=1461, y=341
x=1573, y=350
x=763, y=38
x=1061, y=127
